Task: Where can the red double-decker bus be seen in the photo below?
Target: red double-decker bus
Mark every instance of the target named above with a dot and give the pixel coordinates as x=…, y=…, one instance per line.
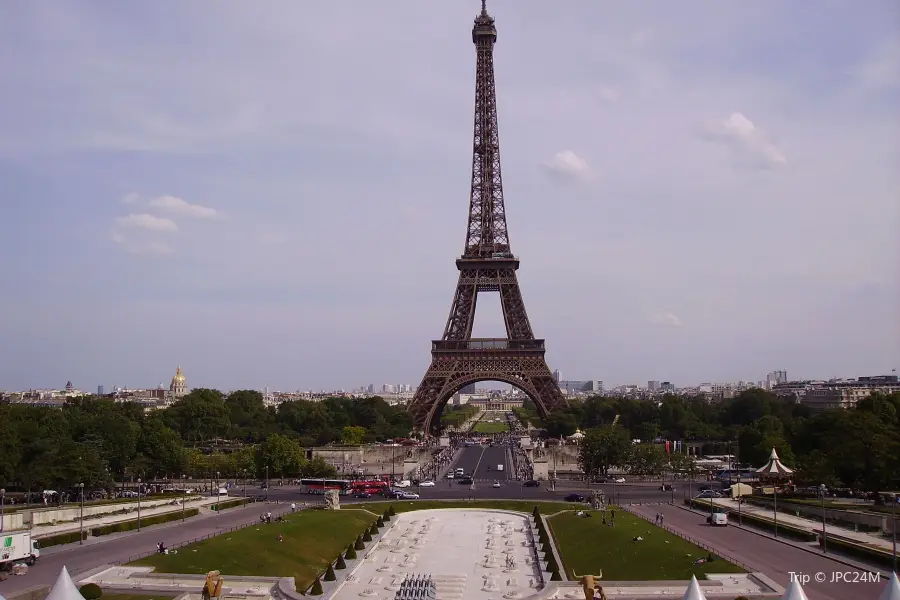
x=319, y=486
x=373, y=486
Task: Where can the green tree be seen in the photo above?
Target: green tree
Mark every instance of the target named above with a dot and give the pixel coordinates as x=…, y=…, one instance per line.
x=282, y=454
x=353, y=435
x=602, y=448
x=645, y=460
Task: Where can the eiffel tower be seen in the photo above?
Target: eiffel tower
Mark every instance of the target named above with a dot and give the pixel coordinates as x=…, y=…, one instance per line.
x=486, y=265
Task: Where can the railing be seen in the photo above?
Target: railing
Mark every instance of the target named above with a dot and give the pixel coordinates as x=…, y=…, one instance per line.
x=487, y=344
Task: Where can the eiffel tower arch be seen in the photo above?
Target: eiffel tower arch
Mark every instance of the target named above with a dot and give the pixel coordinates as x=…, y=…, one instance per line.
x=486, y=265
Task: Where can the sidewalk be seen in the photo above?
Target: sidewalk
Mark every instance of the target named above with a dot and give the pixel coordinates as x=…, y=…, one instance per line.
x=805, y=524
x=42, y=531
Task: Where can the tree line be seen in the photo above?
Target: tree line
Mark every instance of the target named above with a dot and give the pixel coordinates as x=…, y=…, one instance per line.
x=98, y=441
x=857, y=447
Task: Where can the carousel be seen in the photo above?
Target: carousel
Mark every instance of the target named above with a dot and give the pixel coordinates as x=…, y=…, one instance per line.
x=774, y=473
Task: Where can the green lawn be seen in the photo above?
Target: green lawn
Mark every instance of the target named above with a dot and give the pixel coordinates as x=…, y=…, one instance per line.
x=587, y=546
x=312, y=539
x=486, y=427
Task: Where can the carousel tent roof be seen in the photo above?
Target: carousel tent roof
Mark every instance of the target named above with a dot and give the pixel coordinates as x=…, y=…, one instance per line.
x=794, y=591
x=892, y=591
x=577, y=435
x=774, y=466
x=693, y=592
x=64, y=588
x=1, y=597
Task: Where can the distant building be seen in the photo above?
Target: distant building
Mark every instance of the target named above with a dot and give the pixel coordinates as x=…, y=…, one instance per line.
x=178, y=386
x=653, y=386
x=100, y=390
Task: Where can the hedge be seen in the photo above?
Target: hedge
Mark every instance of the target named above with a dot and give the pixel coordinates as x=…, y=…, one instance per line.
x=145, y=522
x=62, y=538
x=763, y=523
x=90, y=591
x=880, y=557
x=226, y=504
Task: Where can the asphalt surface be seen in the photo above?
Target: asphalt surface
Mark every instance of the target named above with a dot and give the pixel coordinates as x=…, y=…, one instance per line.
x=766, y=555
x=121, y=547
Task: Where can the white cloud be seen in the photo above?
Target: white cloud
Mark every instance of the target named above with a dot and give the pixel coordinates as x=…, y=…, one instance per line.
x=609, y=94
x=666, y=318
x=881, y=69
x=752, y=146
x=148, y=222
x=568, y=165
x=131, y=198
x=181, y=208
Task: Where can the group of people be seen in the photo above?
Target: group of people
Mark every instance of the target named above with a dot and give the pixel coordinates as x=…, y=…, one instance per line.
x=161, y=548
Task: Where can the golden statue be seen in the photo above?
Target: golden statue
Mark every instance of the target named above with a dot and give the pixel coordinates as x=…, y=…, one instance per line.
x=212, y=588
x=589, y=585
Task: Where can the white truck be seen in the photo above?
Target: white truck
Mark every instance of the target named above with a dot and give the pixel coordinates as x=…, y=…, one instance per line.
x=17, y=547
x=499, y=467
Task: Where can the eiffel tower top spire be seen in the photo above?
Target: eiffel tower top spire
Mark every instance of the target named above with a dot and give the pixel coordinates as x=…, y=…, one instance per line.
x=486, y=236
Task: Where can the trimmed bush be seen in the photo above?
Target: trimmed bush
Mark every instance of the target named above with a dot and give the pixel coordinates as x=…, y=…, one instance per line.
x=742, y=598
x=350, y=554
x=90, y=591
x=391, y=511
x=359, y=545
x=367, y=536
x=226, y=504
x=386, y=516
x=340, y=564
x=145, y=522
x=535, y=513
x=555, y=576
x=380, y=522
x=374, y=527
x=62, y=538
x=329, y=573
x=316, y=589
x=884, y=559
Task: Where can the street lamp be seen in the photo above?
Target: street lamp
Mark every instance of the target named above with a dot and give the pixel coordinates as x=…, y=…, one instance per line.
x=267, y=482
x=775, y=507
x=822, y=490
x=218, y=494
x=139, y=502
x=245, y=484
x=183, y=495
x=81, y=516
x=2, y=495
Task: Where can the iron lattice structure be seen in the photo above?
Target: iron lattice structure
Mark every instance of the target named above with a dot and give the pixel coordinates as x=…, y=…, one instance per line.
x=486, y=265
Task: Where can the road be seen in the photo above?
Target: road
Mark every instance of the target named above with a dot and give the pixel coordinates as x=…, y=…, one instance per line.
x=119, y=547
x=766, y=555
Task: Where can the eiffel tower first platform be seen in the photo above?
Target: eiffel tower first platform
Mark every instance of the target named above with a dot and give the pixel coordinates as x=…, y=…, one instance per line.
x=487, y=265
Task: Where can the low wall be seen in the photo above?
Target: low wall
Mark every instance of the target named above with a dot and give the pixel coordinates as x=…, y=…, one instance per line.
x=13, y=521
x=72, y=512
x=373, y=460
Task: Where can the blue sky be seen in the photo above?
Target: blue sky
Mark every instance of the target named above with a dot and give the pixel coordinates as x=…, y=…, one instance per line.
x=274, y=193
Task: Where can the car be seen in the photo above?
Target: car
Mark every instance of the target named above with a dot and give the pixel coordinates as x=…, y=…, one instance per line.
x=619, y=480
x=465, y=481
x=532, y=483
x=450, y=475
x=574, y=498
x=708, y=494
x=408, y=496
x=426, y=484
x=403, y=484
x=496, y=484
x=362, y=495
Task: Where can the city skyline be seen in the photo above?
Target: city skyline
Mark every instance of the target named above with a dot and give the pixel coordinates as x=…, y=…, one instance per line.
x=702, y=192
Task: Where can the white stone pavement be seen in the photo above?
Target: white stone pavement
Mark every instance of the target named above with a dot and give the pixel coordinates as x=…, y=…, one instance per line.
x=43, y=531
x=810, y=525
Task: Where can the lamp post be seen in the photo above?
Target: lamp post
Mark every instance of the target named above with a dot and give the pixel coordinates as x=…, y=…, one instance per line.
x=894, y=554
x=218, y=494
x=267, y=482
x=822, y=490
x=139, y=502
x=2, y=495
x=183, y=496
x=81, y=516
x=775, y=508
x=245, y=484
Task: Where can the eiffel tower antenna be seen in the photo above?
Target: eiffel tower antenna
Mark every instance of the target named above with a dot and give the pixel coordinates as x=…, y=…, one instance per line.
x=486, y=265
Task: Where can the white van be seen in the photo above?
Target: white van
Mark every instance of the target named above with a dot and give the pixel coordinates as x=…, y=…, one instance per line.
x=718, y=519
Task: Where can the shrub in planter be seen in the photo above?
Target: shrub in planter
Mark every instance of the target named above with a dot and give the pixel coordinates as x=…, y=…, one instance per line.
x=350, y=554
x=386, y=516
x=359, y=545
x=367, y=537
x=380, y=522
x=391, y=511
x=340, y=564
x=90, y=591
x=329, y=573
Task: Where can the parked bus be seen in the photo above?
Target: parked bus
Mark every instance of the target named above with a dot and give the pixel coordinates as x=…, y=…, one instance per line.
x=319, y=486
